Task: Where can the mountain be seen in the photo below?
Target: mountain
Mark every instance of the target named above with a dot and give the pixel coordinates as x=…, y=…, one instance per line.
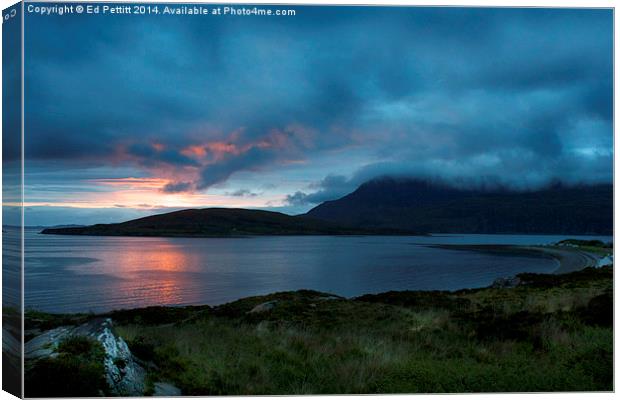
x=219, y=222
x=424, y=206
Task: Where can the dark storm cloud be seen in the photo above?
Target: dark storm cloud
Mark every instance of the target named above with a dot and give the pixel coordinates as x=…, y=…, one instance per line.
x=242, y=193
x=177, y=187
x=521, y=96
x=329, y=188
x=11, y=93
x=149, y=155
x=220, y=171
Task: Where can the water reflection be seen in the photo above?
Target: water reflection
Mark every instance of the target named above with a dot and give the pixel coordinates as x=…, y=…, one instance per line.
x=158, y=256
x=79, y=274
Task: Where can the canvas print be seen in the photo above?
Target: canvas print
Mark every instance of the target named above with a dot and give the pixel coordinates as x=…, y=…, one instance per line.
x=231, y=199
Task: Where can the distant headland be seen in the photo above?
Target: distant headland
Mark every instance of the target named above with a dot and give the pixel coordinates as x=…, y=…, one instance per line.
x=394, y=206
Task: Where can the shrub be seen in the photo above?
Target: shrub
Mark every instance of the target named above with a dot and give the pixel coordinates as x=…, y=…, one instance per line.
x=77, y=370
x=600, y=310
x=142, y=348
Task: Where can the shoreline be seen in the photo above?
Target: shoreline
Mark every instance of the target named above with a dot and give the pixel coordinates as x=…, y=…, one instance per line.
x=385, y=338
x=569, y=259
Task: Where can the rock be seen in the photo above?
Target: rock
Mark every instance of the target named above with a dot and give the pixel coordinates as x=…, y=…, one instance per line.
x=32, y=332
x=504, y=283
x=263, y=307
x=45, y=344
x=124, y=375
x=329, y=297
x=165, y=389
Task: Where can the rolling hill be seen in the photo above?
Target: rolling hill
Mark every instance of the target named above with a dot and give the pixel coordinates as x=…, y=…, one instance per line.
x=210, y=222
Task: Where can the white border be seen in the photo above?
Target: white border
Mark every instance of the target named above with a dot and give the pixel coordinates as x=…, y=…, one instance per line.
x=479, y=3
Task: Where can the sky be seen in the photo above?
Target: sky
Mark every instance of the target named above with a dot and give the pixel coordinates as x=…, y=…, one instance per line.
x=128, y=116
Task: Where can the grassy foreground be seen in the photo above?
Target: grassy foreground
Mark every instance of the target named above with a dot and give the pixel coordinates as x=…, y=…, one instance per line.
x=550, y=333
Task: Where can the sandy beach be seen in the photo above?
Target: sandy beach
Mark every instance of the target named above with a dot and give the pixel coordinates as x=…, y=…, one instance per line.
x=569, y=259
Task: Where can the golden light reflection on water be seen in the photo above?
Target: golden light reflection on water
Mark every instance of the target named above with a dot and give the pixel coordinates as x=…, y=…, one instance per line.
x=166, y=290
x=157, y=268
x=159, y=256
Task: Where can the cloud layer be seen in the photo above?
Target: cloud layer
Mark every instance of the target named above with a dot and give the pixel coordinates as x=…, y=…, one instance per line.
x=517, y=96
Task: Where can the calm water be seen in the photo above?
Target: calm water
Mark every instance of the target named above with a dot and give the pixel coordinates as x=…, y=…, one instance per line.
x=80, y=273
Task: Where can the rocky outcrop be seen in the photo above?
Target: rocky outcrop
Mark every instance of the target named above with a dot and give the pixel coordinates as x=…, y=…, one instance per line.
x=502, y=283
x=124, y=375
x=263, y=307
